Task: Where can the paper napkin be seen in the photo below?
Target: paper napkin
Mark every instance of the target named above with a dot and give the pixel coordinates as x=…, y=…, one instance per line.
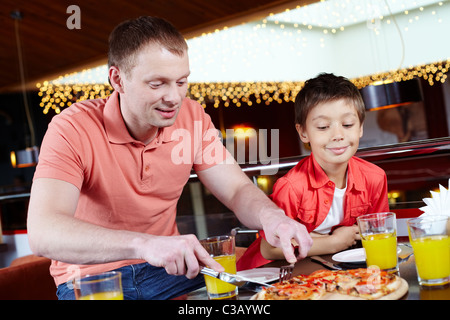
x=438, y=204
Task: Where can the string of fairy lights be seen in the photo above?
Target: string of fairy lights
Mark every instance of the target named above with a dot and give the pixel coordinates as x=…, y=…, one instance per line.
x=268, y=92
x=57, y=95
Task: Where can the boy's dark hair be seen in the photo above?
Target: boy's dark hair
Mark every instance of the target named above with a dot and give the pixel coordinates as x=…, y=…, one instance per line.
x=324, y=88
x=130, y=36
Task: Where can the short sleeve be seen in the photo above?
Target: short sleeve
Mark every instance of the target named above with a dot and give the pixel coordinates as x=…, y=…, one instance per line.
x=58, y=157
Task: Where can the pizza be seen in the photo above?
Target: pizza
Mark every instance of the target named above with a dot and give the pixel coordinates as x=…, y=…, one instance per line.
x=364, y=283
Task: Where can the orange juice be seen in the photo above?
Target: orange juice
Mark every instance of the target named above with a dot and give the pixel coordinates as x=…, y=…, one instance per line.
x=381, y=250
x=108, y=295
x=432, y=254
x=218, y=287
x=102, y=286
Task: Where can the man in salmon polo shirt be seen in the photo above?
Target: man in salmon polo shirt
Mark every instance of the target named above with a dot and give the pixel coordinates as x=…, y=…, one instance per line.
x=111, y=171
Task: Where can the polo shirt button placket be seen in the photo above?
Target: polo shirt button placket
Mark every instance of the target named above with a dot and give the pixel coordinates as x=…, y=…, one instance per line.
x=146, y=173
x=145, y=165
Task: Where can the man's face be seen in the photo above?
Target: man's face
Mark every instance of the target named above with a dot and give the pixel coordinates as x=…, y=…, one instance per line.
x=152, y=92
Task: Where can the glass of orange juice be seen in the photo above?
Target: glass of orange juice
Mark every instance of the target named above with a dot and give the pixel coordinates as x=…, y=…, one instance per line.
x=221, y=249
x=379, y=239
x=430, y=239
x=102, y=286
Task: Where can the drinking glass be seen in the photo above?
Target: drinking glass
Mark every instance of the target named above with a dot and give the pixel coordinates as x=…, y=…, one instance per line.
x=221, y=249
x=379, y=239
x=429, y=237
x=103, y=286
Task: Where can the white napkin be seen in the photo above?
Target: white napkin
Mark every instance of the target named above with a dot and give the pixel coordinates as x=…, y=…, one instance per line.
x=438, y=204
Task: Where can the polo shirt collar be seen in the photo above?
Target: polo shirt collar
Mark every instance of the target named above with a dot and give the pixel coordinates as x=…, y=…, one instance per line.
x=116, y=129
x=319, y=178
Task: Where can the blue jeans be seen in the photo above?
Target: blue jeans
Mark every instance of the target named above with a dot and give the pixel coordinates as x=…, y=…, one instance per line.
x=145, y=282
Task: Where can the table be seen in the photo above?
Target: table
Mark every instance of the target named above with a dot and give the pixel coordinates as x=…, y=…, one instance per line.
x=407, y=270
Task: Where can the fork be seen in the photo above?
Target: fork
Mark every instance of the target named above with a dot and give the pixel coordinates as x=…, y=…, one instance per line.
x=404, y=259
x=286, y=272
x=408, y=255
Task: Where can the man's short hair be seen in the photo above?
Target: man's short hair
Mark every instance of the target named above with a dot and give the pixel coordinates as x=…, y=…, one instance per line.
x=126, y=40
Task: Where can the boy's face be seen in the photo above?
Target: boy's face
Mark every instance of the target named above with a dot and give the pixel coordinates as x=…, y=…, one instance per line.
x=333, y=130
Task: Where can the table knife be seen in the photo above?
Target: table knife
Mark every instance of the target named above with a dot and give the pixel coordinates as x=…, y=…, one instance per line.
x=234, y=279
x=326, y=263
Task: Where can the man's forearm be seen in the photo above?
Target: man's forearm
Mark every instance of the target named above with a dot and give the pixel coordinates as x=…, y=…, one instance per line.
x=70, y=240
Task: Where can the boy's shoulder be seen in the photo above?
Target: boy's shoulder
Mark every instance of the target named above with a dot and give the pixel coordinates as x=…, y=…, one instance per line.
x=302, y=167
x=365, y=166
x=297, y=177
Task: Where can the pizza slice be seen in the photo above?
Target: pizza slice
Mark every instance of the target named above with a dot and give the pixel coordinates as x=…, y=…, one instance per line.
x=371, y=283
